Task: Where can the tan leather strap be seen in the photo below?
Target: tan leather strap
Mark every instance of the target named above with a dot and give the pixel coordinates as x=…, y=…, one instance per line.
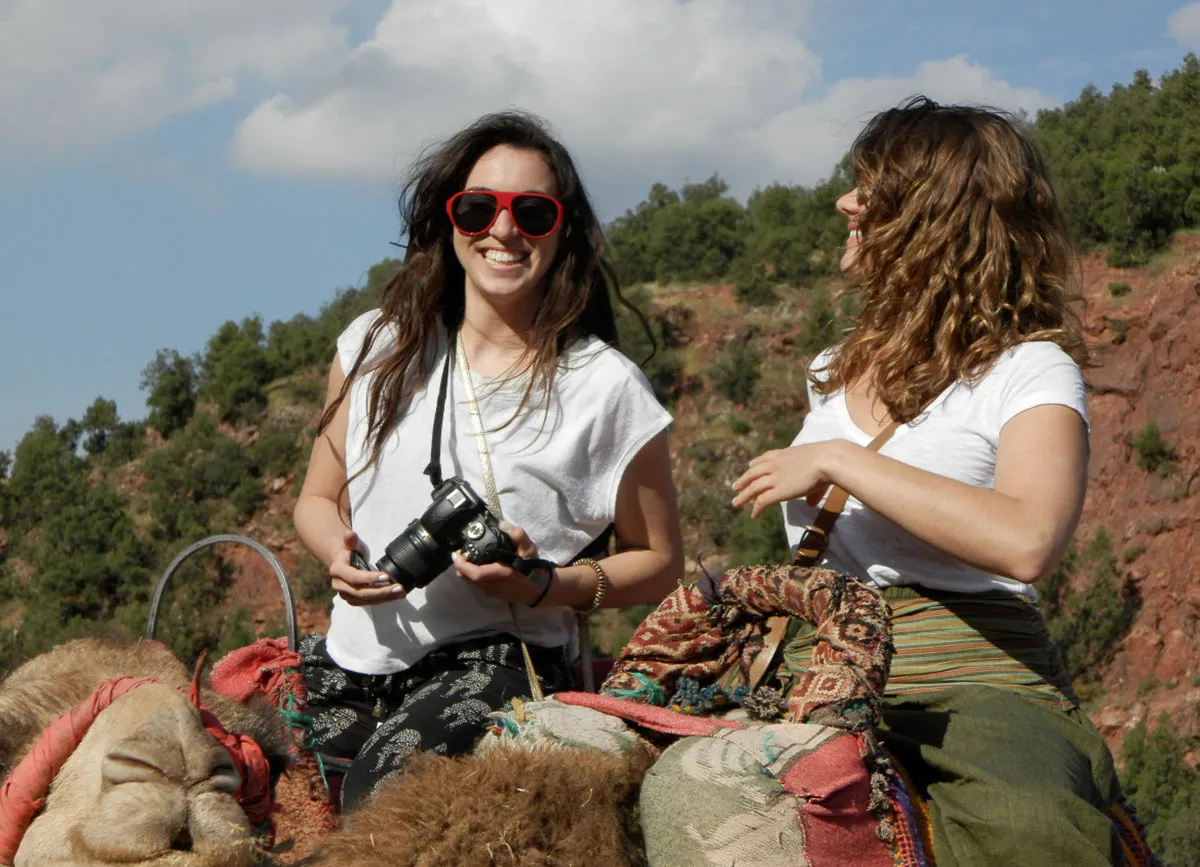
x=808, y=553
x=815, y=539
x=776, y=630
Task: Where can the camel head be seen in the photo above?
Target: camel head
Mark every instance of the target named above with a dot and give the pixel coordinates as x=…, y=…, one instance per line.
x=147, y=785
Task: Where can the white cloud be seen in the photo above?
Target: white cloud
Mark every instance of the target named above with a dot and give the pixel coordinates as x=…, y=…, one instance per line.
x=641, y=90
x=1184, y=25
x=74, y=75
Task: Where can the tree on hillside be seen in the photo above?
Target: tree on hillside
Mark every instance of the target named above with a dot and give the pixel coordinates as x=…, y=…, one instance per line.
x=108, y=440
x=700, y=233
x=46, y=474
x=235, y=370
x=1127, y=164
x=5, y=509
x=796, y=232
x=629, y=236
x=99, y=423
x=692, y=234
x=294, y=345
x=1164, y=789
x=736, y=371
x=1089, y=605
x=170, y=383
x=199, y=470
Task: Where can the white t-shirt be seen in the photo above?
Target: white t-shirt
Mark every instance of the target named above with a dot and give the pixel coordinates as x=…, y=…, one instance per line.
x=557, y=470
x=956, y=437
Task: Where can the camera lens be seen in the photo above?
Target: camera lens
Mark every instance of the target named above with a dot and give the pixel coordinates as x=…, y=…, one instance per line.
x=414, y=558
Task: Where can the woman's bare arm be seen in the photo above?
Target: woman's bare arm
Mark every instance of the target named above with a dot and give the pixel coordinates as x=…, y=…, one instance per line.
x=1018, y=530
x=322, y=513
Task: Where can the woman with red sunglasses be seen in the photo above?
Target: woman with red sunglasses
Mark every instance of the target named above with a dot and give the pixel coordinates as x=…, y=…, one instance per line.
x=490, y=360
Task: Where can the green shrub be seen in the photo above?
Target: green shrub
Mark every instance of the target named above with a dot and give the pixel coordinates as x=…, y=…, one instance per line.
x=736, y=372
x=1137, y=549
x=758, y=541
x=651, y=351
x=757, y=290
x=1118, y=290
x=1088, y=623
x=739, y=425
x=1153, y=455
x=707, y=460
x=311, y=580
x=1147, y=685
x=818, y=329
x=307, y=391
x=1164, y=790
x=275, y=453
x=1119, y=329
x=706, y=508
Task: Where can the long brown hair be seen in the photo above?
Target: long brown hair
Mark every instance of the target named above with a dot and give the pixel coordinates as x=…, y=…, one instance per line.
x=964, y=253
x=429, y=287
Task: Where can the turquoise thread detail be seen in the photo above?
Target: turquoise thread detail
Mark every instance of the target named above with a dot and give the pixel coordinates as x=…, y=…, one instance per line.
x=648, y=692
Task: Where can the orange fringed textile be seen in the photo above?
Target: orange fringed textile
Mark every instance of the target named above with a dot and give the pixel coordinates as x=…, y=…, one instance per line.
x=705, y=637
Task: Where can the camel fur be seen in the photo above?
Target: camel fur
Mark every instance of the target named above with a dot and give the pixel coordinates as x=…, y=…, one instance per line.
x=147, y=785
x=510, y=807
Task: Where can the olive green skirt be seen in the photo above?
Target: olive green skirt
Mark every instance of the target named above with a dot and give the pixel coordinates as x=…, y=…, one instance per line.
x=982, y=716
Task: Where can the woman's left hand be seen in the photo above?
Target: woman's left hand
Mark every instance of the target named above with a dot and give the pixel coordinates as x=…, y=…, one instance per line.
x=784, y=474
x=498, y=580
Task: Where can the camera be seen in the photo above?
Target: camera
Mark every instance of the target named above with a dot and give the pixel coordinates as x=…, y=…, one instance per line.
x=457, y=519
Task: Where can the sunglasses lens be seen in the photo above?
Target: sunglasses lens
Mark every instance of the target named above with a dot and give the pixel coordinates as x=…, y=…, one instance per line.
x=473, y=212
x=535, y=215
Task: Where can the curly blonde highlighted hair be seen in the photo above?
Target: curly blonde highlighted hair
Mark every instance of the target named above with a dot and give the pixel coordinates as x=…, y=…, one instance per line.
x=964, y=253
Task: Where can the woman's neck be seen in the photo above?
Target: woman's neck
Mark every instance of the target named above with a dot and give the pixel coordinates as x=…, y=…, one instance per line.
x=495, y=340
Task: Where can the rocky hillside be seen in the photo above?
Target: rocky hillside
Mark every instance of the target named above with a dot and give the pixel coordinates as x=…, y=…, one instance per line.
x=1148, y=354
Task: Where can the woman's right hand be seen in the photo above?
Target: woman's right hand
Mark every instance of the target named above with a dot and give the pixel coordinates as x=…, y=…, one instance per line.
x=359, y=586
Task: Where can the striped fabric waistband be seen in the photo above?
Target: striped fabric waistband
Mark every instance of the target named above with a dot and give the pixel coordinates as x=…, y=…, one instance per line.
x=943, y=640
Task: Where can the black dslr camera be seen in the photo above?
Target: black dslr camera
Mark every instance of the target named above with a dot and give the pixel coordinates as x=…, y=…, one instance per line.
x=457, y=519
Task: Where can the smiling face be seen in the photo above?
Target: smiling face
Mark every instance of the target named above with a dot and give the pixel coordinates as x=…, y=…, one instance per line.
x=502, y=266
x=852, y=206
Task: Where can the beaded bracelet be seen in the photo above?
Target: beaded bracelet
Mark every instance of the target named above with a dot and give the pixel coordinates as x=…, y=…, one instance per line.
x=602, y=583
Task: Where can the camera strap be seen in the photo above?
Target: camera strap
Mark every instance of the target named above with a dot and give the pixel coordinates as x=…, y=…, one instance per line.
x=489, y=480
x=434, y=468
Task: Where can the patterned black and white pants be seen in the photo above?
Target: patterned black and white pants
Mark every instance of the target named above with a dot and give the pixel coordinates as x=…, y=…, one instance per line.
x=440, y=705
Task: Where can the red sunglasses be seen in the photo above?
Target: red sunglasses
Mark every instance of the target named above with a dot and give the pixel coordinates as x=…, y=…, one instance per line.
x=535, y=215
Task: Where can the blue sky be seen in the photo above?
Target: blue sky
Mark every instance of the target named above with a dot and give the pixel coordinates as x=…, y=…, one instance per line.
x=166, y=167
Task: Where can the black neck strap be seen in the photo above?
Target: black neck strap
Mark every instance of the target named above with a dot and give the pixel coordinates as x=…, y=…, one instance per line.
x=434, y=469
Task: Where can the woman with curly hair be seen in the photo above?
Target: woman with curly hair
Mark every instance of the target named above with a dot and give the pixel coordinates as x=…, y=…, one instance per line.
x=490, y=362
x=969, y=351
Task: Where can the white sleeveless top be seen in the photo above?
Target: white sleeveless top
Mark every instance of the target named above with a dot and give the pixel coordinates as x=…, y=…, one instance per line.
x=956, y=437
x=557, y=468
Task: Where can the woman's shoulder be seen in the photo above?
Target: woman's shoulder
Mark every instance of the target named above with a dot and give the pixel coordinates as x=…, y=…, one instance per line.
x=592, y=358
x=1033, y=364
x=594, y=368
x=1035, y=354
x=1031, y=374
x=350, y=341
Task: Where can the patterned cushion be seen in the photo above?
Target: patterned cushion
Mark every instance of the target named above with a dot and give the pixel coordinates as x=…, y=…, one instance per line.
x=786, y=794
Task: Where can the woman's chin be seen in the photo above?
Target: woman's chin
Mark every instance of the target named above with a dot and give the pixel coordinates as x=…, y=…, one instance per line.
x=506, y=291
